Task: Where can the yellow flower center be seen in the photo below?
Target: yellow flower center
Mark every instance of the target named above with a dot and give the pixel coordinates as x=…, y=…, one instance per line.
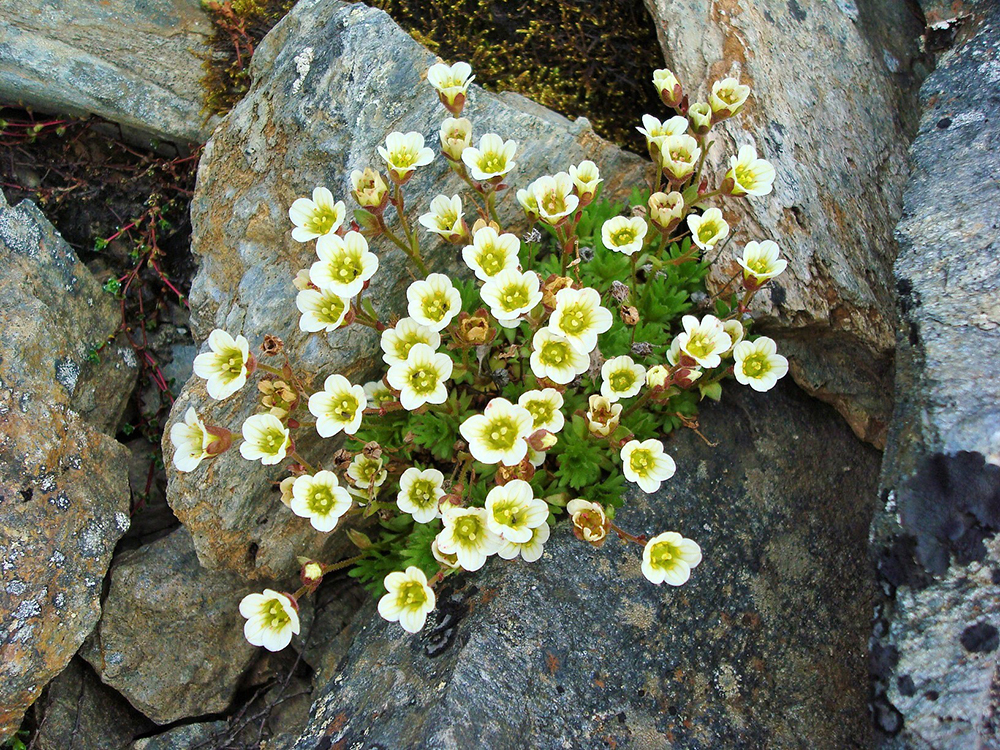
x=491, y=262
x=623, y=237
x=468, y=529
x=744, y=175
x=574, y=320
x=423, y=381
x=403, y=159
x=554, y=203
x=622, y=380
x=322, y=220
x=422, y=493
x=554, y=353
x=331, y=308
x=641, y=461
x=514, y=297
x=320, y=500
x=541, y=412
x=345, y=408
x=435, y=306
x=729, y=96
x=759, y=265
x=230, y=363
x=411, y=595
x=699, y=346
x=272, y=441
x=506, y=513
x=275, y=616
x=501, y=433
x=756, y=365
x=707, y=231
x=345, y=268
x=492, y=163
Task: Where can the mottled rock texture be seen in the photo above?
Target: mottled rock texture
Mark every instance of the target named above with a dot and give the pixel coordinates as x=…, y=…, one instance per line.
x=64, y=495
x=134, y=62
x=171, y=637
x=935, y=652
x=824, y=110
x=764, y=647
x=331, y=81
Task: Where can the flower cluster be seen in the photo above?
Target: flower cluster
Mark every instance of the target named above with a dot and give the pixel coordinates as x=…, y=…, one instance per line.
x=536, y=383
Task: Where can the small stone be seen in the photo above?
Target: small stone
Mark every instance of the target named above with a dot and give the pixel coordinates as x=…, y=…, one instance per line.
x=981, y=638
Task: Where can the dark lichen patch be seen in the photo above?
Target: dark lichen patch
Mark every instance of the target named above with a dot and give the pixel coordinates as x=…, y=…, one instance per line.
x=981, y=638
x=576, y=57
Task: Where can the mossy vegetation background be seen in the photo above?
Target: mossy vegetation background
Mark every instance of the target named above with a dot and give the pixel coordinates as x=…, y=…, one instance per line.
x=574, y=56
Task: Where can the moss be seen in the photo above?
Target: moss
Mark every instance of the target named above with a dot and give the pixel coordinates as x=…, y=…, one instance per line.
x=574, y=56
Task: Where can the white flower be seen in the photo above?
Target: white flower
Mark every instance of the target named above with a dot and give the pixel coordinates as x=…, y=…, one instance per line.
x=456, y=136
x=378, y=393
x=545, y=408
x=580, y=318
x=448, y=561
x=397, y=341
x=344, y=265
x=727, y=98
x=656, y=132
x=451, y=82
x=704, y=341
x=317, y=217
x=225, y=367
x=657, y=376
x=494, y=158
x=419, y=493
x=586, y=177
x=512, y=511
x=367, y=472
x=467, y=535
x=735, y=330
x=553, y=357
x=433, y=301
x=338, y=407
x=490, y=253
x=404, y=153
x=603, y=417
x=527, y=200
x=624, y=234
x=708, y=228
x=530, y=550
x=621, y=378
x=272, y=618
x=666, y=209
x=679, y=155
x=669, y=557
x=445, y=217
x=408, y=599
x=190, y=440
x=760, y=260
x=321, y=499
x=758, y=364
x=321, y=310
x=590, y=522
x=554, y=197
x=265, y=438
x=701, y=117
x=421, y=377
x=498, y=434
x=646, y=464
x=749, y=175
x=510, y=294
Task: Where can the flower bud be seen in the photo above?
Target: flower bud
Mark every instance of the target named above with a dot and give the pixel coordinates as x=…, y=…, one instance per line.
x=542, y=440
x=286, y=491
x=370, y=190
x=657, y=376
x=684, y=377
x=311, y=574
x=456, y=136
x=668, y=87
x=700, y=115
x=222, y=442
x=359, y=540
x=666, y=210
x=302, y=281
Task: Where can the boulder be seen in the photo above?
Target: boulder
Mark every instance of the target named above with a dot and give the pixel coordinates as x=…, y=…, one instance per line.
x=766, y=642
x=825, y=109
x=138, y=63
x=331, y=80
x=935, y=652
x=78, y=711
x=171, y=637
x=64, y=497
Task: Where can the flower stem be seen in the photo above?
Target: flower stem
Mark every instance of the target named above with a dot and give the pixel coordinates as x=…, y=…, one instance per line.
x=622, y=534
x=305, y=464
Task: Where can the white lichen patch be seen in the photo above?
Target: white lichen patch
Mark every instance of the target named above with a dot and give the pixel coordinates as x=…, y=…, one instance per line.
x=303, y=62
x=67, y=374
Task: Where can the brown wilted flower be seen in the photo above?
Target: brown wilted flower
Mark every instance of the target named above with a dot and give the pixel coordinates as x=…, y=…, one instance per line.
x=630, y=315
x=620, y=291
x=553, y=284
x=473, y=330
x=272, y=346
x=372, y=450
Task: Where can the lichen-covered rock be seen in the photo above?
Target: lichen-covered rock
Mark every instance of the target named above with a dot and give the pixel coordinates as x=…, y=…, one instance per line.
x=183, y=737
x=138, y=64
x=935, y=655
x=331, y=81
x=78, y=711
x=171, y=637
x=824, y=110
x=765, y=643
x=64, y=496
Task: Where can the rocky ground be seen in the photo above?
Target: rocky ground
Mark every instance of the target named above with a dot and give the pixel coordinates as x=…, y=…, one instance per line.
x=869, y=485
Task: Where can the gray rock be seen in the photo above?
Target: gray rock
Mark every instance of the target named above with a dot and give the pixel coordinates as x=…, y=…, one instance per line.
x=64, y=496
x=936, y=642
x=135, y=62
x=766, y=642
x=331, y=81
x=823, y=110
x=171, y=637
x=184, y=737
x=78, y=712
